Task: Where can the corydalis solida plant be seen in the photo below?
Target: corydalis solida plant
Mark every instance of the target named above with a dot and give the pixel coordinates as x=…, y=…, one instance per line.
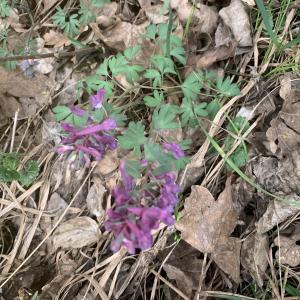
x=140, y=205
x=88, y=133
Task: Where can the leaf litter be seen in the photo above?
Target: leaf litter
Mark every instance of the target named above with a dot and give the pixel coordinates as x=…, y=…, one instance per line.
x=226, y=227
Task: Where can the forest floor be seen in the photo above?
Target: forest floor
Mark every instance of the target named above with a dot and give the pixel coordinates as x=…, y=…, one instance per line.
x=219, y=78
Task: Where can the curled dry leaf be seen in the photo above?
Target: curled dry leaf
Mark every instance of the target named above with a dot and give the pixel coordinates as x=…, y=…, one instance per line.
x=184, y=266
x=94, y=198
x=108, y=164
x=276, y=213
x=76, y=233
x=204, y=17
x=207, y=224
x=284, y=131
x=56, y=39
x=254, y=256
x=122, y=35
x=212, y=56
x=227, y=257
x=289, y=250
x=237, y=19
x=155, y=14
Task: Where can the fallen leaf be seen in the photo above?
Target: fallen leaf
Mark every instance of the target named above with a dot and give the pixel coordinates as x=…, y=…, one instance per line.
x=56, y=205
x=204, y=17
x=223, y=35
x=16, y=84
x=209, y=57
x=155, y=14
x=249, y=2
x=123, y=35
x=204, y=222
x=237, y=19
x=284, y=130
x=56, y=39
x=94, y=198
x=276, y=213
x=289, y=250
x=254, y=256
x=108, y=164
x=76, y=233
x=227, y=257
x=184, y=266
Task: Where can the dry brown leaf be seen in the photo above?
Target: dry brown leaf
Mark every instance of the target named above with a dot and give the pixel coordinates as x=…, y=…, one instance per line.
x=289, y=251
x=108, y=164
x=94, y=198
x=154, y=14
x=277, y=212
x=184, y=265
x=76, y=233
x=16, y=84
x=212, y=56
x=56, y=39
x=205, y=18
x=284, y=130
x=123, y=35
x=205, y=222
x=227, y=257
x=237, y=19
x=254, y=256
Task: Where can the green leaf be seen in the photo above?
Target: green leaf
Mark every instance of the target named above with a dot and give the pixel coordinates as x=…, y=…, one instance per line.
x=181, y=162
x=70, y=27
x=59, y=18
x=133, y=168
x=118, y=64
x=93, y=84
x=30, y=173
x=163, y=117
x=86, y=16
x=133, y=138
x=151, y=32
x=100, y=3
x=179, y=54
x=98, y=115
x=103, y=68
x=132, y=72
x=226, y=88
x=9, y=65
x=79, y=121
x=291, y=290
x=61, y=112
x=131, y=52
x=164, y=64
x=154, y=74
x=4, y=8
x=212, y=108
x=115, y=113
x=191, y=86
x=154, y=101
x=154, y=153
x=200, y=109
x=187, y=113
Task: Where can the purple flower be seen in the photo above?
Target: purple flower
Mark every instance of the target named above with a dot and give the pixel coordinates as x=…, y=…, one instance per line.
x=131, y=221
x=175, y=149
x=77, y=111
x=106, y=125
x=97, y=100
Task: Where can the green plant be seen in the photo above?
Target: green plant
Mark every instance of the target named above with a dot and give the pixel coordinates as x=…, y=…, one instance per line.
x=11, y=169
x=68, y=23
x=4, y=8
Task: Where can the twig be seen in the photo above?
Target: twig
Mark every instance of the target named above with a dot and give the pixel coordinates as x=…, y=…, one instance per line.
x=56, y=54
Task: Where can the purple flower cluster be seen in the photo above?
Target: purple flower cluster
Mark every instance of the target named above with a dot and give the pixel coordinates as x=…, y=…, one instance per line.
x=89, y=142
x=139, y=208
